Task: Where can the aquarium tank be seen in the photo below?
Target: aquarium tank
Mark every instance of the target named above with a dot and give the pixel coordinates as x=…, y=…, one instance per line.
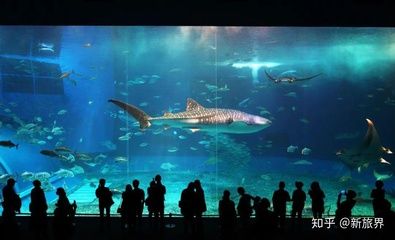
x=230, y=106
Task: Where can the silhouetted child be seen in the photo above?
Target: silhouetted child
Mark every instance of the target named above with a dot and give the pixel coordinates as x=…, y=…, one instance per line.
x=244, y=208
x=227, y=216
x=139, y=197
x=266, y=220
x=344, y=209
x=63, y=215
x=11, y=205
x=104, y=195
x=317, y=199
x=149, y=200
x=280, y=198
x=38, y=208
x=378, y=196
x=187, y=206
x=200, y=205
x=298, y=201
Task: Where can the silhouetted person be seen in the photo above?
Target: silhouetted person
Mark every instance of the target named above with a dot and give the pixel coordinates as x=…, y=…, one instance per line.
x=63, y=215
x=11, y=205
x=244, y=208
x=128, y=207
x=149, y=202
x=227, y=216
x=388, y=216
x=280, y=198
x=200, y=205
x=298, y=201
x=187, y=205
x=378, y=196
x=104, y=195
x=159, y=199
x=317, y=199
x=139, y=197
x=38, y=209
x=344, y=208
x=266, y=220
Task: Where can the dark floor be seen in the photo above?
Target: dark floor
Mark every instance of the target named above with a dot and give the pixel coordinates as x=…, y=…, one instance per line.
x=88, y=228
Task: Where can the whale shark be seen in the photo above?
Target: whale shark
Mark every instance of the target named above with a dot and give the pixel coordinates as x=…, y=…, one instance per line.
x=198, y=118
x=369, y=152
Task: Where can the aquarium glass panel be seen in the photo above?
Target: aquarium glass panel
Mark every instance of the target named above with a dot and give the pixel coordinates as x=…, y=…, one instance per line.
x=230, y=106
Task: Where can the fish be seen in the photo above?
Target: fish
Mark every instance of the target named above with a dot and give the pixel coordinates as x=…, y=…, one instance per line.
x=63, y=173
x=27, y=176
x=46, y=49
x=41, y=142
x=304, y=120
x=49, y=153
x=4, y=177
x=77, y=170
x=193, y=148
x=382, y=176
x=291, y=149
x=289, y=79
x=9, y=144
x=306, y=151
x=172, y=149
x=62, y=150
x=244, y=102
x=125, y=137
x=370, y=151
x=144, y=144
x=120, y=159
x=167, y=166
x=204, y=142
x=198, y=118
x=62, y=112
x=66, y=74
x=302, y=162
x=182, y=137
x=291, y=94
x=43, y=176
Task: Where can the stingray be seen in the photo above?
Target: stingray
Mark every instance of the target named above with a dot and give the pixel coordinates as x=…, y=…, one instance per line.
x=369, y=152
x=289, y=79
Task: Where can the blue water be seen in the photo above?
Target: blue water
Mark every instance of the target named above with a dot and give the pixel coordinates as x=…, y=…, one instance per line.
x=158, y=68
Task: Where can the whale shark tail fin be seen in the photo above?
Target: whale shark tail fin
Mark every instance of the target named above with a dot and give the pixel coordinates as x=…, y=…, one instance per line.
x=138, y=114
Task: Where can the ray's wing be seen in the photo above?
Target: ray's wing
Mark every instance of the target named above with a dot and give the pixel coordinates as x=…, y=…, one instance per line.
x=308, y=78
x=270, y=77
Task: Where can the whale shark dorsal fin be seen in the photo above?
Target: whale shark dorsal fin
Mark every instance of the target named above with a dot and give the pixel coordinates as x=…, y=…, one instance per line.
x=193, y=105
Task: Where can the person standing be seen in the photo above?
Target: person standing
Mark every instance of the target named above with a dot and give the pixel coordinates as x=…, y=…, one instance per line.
x=38, y=209
x=104, y=195
x=298, y=201
x=317, y=199
x=11, y=205
x=187, y=206
x=227, y=216
x=378, y=195
x=159, y=200
x=280, y=198
x=139, y=197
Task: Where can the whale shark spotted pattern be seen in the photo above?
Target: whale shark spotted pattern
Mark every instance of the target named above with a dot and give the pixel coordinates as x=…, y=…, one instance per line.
x=198, y=118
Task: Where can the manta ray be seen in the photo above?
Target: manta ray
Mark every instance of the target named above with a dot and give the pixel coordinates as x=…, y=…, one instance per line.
x=198, y=118
x=370, y=151
x=289, y=79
